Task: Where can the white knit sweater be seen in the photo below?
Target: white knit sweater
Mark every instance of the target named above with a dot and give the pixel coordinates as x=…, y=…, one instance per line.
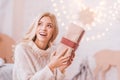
x=31, y=63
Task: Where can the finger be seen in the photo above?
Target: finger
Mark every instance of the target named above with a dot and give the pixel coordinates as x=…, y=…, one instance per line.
x=63, y=53
x=67, y=63
x=73, y=55
x=54, y=53
x=71, y=59
x=65, y=59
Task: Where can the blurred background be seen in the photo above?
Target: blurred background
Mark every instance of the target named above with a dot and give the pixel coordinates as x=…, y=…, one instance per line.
x=99, y=18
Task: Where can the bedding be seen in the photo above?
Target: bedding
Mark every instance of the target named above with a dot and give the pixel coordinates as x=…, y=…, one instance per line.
x=6, y=55
x=6, y=71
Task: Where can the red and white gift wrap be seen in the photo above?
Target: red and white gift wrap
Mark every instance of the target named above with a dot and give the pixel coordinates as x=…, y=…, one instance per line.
x=71, y=39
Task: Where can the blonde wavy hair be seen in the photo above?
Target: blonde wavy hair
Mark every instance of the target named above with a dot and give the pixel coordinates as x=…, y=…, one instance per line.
x=31, y=34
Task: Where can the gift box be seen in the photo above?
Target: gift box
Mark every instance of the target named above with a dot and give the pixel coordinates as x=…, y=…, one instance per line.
x=71, y=39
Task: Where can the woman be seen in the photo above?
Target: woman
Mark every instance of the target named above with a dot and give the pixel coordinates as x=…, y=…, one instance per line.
x=35, y=58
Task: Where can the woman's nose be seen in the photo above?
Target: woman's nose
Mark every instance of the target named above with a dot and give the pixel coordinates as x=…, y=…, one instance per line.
x=43, y=27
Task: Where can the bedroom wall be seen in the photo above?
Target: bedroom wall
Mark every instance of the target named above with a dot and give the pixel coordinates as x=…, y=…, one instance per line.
x=100, y=19
x=6, y=16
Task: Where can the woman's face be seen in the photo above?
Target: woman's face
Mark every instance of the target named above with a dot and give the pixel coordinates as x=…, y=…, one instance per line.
x=45, y=29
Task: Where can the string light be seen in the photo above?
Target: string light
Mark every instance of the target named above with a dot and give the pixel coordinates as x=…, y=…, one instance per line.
x=63, y=24
x=64, y=12
x=61, y=1
x=103, y=14
x=58, y=14
x=54, y=4
x=56, y=10
x=110, y=24
x=52, y=0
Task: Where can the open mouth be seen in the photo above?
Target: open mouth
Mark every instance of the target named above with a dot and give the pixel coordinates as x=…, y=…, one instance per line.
x=43, y=34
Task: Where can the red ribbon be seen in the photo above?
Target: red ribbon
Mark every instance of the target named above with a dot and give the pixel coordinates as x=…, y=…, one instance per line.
x=69, y=43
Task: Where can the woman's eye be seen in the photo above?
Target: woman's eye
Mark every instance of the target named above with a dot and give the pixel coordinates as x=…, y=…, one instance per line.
x=50, y=26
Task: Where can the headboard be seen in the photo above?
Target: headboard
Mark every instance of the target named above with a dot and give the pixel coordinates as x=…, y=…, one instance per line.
x=6, y=52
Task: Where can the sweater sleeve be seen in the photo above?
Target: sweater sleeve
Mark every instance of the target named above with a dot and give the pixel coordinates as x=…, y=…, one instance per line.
x=24, y=70
x=59, y=75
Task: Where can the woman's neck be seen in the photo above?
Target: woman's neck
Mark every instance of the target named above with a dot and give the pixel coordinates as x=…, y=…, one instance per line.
x=41, y=45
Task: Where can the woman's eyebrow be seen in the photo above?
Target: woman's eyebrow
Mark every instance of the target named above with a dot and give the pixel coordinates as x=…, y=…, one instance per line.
x=50, y=23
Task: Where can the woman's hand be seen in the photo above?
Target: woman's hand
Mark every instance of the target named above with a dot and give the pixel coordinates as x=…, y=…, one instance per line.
x=58, y=60
x=63, y=67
